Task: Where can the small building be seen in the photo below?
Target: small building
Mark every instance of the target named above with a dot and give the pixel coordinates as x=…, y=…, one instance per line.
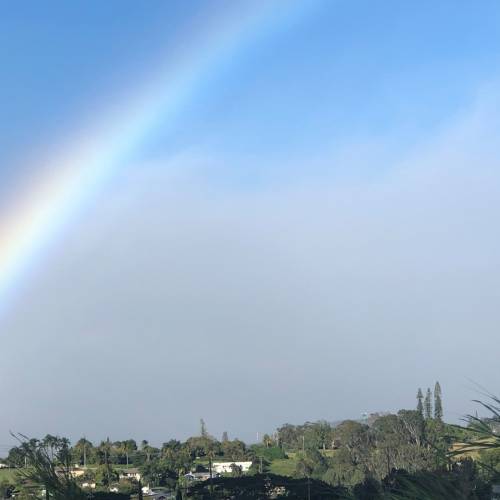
x=74, y=472
x=130, y=474
x=158, y=494
x=198, y=476
x=227, y=467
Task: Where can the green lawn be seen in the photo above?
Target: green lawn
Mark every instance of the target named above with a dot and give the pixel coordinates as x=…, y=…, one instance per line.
x=283, y=467
x=7, y=474
x=328, y=453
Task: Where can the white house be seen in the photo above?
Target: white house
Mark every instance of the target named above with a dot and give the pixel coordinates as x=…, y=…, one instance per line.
x=227, y=467
x=132, y=473
x=198, y=476
x=157, y=494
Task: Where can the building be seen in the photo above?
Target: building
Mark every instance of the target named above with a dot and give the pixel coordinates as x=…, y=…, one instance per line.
x=132, y=474
x=227, y=467
x=198, y=476
x=158, y=494
x=74, y=472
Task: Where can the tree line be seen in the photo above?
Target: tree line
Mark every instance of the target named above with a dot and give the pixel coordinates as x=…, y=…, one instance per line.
x=386, y=456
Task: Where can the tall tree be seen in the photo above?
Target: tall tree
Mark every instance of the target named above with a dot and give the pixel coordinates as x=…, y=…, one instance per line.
x=420, y=405
x=428, y=403
x=50, y=443
x=82, y=450
x=267, y=440
x=438, y=404
x=203, y=428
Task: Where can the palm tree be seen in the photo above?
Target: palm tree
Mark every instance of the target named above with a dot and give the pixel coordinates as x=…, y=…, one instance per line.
x=128, y=446
x=81, y=450
x=484, y=430
x=50, y=442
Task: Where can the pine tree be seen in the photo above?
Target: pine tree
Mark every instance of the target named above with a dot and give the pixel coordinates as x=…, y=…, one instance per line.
x=203, y=428
x=438, y=404
x=420, y=406
x=428, y=403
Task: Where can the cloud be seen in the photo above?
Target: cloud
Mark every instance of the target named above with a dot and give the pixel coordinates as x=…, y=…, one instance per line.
x=323, y=296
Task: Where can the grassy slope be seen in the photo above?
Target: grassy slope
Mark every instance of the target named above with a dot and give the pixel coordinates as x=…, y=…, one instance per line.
x=283, y=467
x=7, y=474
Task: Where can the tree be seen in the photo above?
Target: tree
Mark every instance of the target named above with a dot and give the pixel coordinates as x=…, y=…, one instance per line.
x=236, y=470
x=16, y=457
x=203, y=428
x=420, y=406
x=57, y=481
x=159, y=472
x=82, y=450
x=141, y=495
x=105, y=474
x=234, y=450
x=128, y=447
x=6, y=489
x=428, y=404
x=413, y=422
x=50, y=443
x=103, y=452
x=438, y=404
x=267, y=440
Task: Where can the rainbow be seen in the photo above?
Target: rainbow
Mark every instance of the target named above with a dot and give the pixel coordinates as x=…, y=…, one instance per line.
x=30, y=225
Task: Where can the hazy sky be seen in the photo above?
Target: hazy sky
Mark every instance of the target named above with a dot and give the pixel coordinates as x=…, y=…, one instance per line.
x=312, y=234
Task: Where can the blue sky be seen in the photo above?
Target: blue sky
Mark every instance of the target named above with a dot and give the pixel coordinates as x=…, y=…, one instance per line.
x=343, y=70
x=322, y=205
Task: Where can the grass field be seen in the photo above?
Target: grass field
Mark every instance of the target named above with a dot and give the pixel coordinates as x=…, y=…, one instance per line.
x=7, y=474
x=283, y=467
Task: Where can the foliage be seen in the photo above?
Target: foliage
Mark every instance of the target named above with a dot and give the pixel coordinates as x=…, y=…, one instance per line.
x=428, y=404
x=105, y=475
x=268, y=453
x=295, y=437
x=6, y=489
x=264, y=486
x=438, y=405
x=462, y=482
x=405, y=456
x=49, y=470
x=420, y=405
x=160, y=472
